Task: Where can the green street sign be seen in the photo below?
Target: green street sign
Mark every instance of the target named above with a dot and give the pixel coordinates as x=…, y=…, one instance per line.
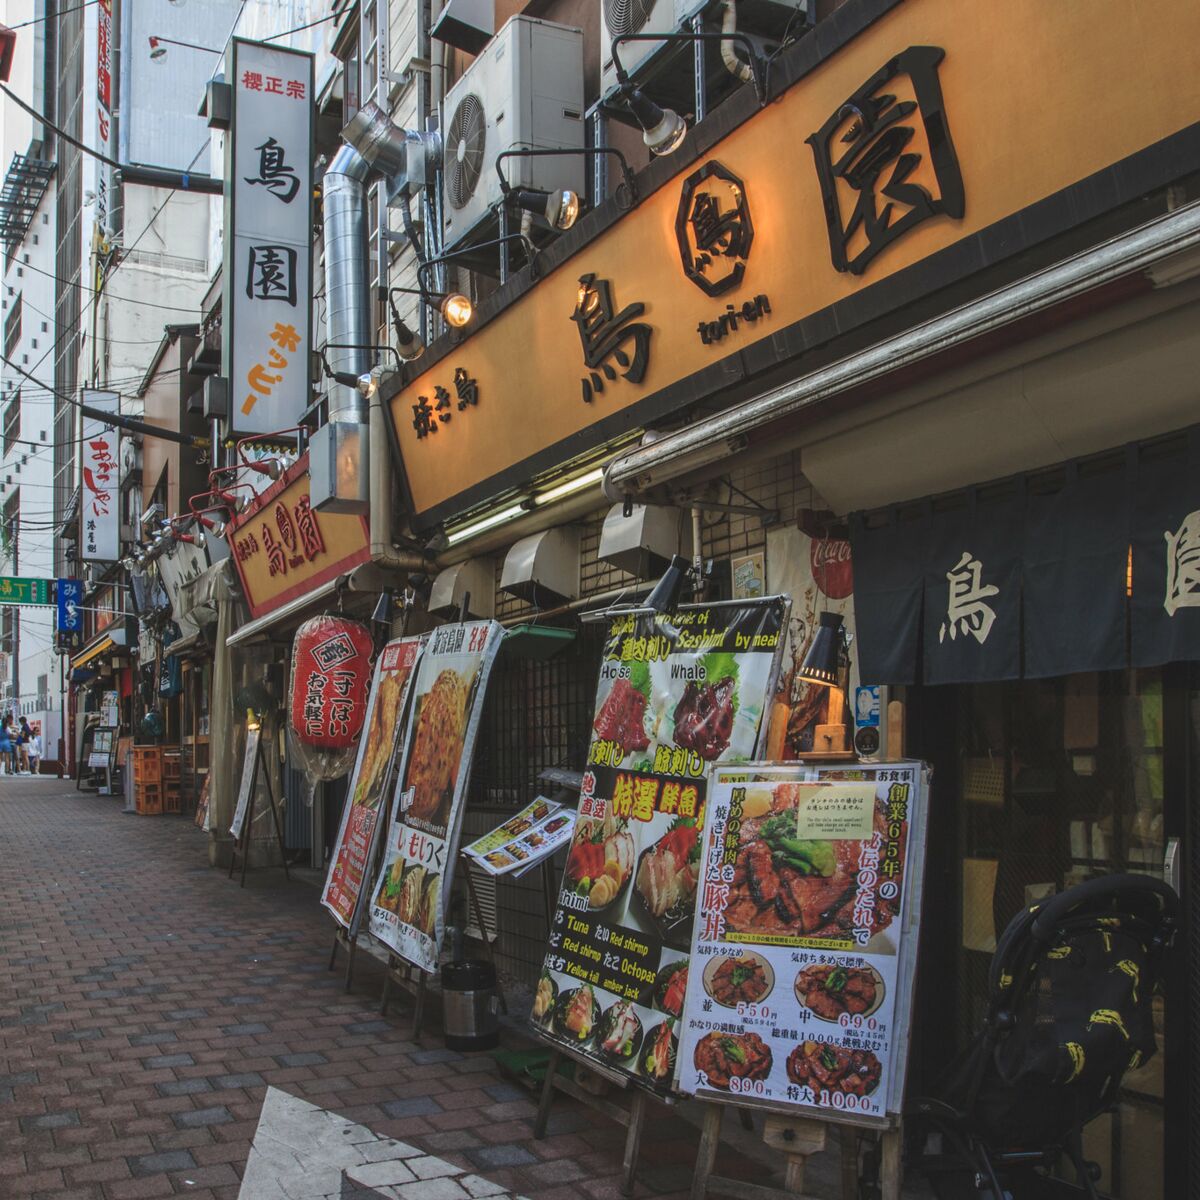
x=14, y=590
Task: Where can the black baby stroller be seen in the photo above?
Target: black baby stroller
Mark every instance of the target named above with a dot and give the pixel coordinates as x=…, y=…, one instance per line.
x=1069, y=1012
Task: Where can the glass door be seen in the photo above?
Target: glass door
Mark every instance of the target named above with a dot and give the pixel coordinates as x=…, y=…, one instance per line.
x=1061, y=780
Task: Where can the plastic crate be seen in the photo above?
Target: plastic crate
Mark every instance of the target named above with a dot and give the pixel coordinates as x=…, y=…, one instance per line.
x=147, y=764
x=148, y=801
x=171, y=802
x=170, y=764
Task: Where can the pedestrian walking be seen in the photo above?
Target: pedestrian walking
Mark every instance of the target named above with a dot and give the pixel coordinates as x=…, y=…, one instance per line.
x=6, y=748
x=35, y=750
x=24, y=734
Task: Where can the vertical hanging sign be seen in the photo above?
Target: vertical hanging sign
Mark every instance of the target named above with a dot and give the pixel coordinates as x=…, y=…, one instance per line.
x=100, y=493
x=104, y=105
x=268, y=250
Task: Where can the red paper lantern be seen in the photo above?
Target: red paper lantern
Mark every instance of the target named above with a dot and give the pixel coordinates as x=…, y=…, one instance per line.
x=331, y=677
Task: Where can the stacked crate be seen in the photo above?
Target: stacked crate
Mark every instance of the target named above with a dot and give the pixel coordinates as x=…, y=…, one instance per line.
x=148, y=780
x=170, y=779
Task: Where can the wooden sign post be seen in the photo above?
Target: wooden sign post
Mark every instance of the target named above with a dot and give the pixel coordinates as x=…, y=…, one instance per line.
x=243, y=817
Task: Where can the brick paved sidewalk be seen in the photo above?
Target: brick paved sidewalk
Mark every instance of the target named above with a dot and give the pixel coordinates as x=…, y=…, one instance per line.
x=146, y=1003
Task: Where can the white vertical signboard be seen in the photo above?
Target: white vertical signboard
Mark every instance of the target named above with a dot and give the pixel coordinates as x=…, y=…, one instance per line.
x=100, y=489
x=104, y=106
x=268, y=268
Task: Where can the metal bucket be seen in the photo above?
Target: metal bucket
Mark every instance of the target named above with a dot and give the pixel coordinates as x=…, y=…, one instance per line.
x=470, y=1006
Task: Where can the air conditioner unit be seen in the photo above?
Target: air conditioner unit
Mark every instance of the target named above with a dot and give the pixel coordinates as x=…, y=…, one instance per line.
x=766, y=20
x=505, y=102
x=621, y=17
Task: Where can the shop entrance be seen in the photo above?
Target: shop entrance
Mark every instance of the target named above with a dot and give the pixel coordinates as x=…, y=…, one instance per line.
x=1040, y=784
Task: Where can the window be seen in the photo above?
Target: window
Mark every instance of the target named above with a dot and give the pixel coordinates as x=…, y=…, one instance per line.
x=12, y=328
x=45, y=327
x=12, y=420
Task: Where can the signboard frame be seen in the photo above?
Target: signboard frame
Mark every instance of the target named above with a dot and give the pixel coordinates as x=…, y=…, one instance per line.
x=101, y=444
x=269, y=377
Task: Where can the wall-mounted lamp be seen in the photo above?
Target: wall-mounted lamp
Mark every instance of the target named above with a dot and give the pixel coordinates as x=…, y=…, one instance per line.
x=158, y=47
x=823, y=662
x=663, y=129
x=456, y=308
x=408, y=343
x=665, y=595
x=271, y=467
x=561, y=208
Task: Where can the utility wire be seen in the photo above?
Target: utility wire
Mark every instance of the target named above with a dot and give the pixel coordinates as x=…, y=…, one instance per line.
x=83, y=287
x=62, y=12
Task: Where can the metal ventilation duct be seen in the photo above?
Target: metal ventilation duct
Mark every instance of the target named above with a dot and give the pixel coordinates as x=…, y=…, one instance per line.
x=543, y=569
x=643, y=543
x=473, y=581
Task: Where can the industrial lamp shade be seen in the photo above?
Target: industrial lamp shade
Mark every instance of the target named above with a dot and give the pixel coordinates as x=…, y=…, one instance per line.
x=822, y=662
x=665, y=595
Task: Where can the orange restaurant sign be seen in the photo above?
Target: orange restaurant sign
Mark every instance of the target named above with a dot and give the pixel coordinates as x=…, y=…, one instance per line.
x=283, y=548
x=976, y=113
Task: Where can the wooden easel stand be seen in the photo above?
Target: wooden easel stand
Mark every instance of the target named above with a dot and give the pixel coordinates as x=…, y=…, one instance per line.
x=241, y=845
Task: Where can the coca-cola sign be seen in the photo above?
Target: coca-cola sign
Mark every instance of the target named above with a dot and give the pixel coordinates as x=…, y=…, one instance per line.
x=831, y=567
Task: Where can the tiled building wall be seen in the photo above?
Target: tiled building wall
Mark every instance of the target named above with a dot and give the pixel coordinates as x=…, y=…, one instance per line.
x=538, y=714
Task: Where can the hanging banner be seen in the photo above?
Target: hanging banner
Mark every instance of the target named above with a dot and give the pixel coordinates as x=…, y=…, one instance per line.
x=817, y=574
x=678, y=693
x=246, y=787
x=100, y=507
x=408, y=909
x=355, y=843
x=268, y=268
x=801, y=989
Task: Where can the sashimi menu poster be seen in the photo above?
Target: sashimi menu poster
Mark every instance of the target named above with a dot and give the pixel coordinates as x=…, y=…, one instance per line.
x=800, y=988
x=408, y=905
x=678, y=693
x=355, y=844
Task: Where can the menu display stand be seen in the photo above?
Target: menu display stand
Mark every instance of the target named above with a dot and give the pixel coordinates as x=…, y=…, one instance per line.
x=247, y=806
x=401, y=972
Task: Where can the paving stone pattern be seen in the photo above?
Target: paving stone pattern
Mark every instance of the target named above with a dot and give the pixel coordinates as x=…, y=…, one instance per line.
x=147, y=1002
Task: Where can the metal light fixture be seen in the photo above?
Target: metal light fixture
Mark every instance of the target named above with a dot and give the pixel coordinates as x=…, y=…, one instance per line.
x=456, y=308
x=560, y=207
x=823, y=662
x=663, y=129
x=383, y=608
x=535, y=200
x=408, y=343
x=665, y=595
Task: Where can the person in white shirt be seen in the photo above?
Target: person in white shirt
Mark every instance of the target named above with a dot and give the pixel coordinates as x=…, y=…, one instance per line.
x=34, y=749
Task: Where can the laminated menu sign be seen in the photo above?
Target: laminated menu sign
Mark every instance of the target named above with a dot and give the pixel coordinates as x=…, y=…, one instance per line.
x=372, y=769
x=678, y=693
x=526, y=838
x=408, y=905
x=800, y=989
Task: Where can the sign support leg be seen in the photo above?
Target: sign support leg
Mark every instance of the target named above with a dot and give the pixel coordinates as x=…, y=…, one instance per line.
x=351, y=950
x=419, y=1007
x=633, y=1140
x=547, y=1097
x=337, y=937
x=891, y=1171
x=706, y=1156
x=477, y=909
x=387, y=985
x=266, y=774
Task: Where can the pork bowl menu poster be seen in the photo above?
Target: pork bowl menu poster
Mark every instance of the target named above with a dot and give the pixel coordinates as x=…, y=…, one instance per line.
x=355, y=844
x=409, y=898
x=678, y=693
x=800, y=989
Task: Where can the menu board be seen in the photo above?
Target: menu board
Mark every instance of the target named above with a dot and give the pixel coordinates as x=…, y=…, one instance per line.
x=372, y=768
x=678, y=693
x=246, y=787
x=409, y=898
x=800, y=993
x=526, y=838
x=103, y=745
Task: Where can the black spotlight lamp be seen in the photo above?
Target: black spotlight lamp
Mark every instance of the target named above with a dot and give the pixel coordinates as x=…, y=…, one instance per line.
x=663, y=129
x=822, y=664
x=665, y=595
x=560, y=207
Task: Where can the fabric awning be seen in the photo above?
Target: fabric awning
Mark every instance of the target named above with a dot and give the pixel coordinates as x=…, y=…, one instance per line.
x=91, y=653
x=1091, y=566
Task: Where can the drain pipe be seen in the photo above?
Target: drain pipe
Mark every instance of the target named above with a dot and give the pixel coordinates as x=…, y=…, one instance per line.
x=375, y=145
x=733, y=64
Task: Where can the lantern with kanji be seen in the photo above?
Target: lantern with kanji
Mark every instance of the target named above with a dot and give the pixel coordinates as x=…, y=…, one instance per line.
x=327, y=697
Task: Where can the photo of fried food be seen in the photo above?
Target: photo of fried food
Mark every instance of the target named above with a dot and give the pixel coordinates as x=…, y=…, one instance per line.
x=725, y=1056
x=824, y=1066
x=437, y=747
x=380, y=738
x=788, y=885
x=409, y=901
x=389, y=890
x=830, y=991
x=738, y=979
x=426, y=915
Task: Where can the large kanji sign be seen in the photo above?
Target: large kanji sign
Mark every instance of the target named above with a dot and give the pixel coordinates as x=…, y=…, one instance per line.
x=268, y=257
x=284, y=548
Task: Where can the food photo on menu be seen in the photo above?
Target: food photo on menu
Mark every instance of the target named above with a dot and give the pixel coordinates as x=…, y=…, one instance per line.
x=667, y=709
x=792, y=994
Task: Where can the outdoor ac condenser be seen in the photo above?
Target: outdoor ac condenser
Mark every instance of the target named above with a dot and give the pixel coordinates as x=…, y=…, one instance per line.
x=524, y=91
x=642, y=60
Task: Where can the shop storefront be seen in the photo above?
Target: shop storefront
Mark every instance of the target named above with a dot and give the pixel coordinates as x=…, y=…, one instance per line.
x=974, y=349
